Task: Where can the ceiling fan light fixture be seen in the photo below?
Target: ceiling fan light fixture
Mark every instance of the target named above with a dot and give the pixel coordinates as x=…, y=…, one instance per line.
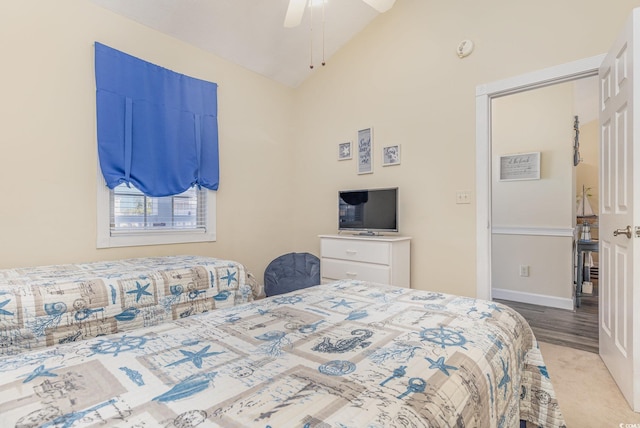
x=380, y=5
x=296, y=9
x=317, y=3
x=294, y=13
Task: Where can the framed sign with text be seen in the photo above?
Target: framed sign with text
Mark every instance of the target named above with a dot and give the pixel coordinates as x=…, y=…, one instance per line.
x=522, y=166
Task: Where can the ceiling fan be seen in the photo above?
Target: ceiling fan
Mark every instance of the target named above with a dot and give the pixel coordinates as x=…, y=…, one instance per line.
x=296, y=10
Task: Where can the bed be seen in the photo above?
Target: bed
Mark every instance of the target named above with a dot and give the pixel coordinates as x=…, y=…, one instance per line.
x=48, y=305
x=344, y=354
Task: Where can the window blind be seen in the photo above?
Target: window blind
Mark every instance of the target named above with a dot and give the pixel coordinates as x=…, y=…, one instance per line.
x=133, y=212
x=157, y=129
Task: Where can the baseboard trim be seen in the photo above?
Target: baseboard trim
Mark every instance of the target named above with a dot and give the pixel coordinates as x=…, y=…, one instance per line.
x=533, y=299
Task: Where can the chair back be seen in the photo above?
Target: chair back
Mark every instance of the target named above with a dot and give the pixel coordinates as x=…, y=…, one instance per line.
x=292, y=271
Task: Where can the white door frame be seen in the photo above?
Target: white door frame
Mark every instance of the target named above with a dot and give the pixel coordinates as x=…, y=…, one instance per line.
x=484, y=94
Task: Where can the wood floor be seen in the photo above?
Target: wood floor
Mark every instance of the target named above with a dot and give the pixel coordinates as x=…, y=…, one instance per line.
x=575, y=329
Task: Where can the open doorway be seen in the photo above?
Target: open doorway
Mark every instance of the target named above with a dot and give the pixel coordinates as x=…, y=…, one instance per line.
x=559, y=234
x=587, y=189
x=619, y=283
x=536, y=204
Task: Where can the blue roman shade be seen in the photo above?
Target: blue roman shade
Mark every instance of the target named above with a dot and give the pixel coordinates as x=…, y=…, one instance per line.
x=157, y=129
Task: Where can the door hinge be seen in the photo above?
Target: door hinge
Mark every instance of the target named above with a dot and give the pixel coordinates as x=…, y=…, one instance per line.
x=637, y=231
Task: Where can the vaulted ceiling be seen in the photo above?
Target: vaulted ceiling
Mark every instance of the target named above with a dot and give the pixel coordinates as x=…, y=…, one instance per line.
x=251, y=33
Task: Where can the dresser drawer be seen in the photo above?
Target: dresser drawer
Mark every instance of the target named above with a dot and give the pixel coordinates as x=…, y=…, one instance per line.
x=338, y=269
x=356, y=250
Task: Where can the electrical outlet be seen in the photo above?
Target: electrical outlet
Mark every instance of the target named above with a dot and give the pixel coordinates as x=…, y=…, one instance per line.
x=524, y=270
x=463, y=197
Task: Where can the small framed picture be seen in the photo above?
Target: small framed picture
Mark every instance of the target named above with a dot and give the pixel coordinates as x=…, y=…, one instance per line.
x=391, y=155
x=521, y=166
x=344, y=151
x=365, y=151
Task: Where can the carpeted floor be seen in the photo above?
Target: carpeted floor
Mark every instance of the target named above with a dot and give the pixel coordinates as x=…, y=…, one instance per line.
x=588, y=396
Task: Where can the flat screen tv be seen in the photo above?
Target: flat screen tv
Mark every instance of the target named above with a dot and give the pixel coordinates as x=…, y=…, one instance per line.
x=369, y=211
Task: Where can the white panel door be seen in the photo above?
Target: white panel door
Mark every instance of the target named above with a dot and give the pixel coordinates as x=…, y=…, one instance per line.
x=619, y=203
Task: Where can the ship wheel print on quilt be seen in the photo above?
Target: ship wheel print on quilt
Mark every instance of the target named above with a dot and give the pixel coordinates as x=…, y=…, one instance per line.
x=116, y=346
x=443, y=337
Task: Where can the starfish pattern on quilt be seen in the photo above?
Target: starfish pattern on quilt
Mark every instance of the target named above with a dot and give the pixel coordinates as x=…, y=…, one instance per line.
x=141, y=290
x=342, y=302
x=194, y=357
x=440, y=365
x=230, y=277
x=4, y=311
x=40, y=371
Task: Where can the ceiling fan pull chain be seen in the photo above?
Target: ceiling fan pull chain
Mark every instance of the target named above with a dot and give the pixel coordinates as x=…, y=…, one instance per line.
x=311, y=39
x=323, y=62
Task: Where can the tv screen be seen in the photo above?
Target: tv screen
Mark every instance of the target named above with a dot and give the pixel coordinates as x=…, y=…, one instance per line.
x=370, y=210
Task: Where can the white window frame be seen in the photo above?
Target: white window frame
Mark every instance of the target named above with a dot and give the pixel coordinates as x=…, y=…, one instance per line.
x=148, y=237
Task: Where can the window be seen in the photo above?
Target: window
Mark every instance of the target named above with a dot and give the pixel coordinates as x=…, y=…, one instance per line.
x=132, y=211
x=126, y=217
x=351, y=215
x=175, y=144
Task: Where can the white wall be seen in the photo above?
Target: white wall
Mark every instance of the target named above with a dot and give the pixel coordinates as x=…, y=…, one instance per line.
x=526, y=212
x=402, y=76
x=48, y=158
x=587, y=169
x=540, y=120
x=279, y=172
x=550, y=262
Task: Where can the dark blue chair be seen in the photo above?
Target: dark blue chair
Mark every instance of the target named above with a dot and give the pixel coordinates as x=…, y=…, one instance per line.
x=292, y=271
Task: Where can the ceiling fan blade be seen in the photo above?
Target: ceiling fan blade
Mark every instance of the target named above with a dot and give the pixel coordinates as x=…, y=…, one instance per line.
x=294, y=13
x=380, y=5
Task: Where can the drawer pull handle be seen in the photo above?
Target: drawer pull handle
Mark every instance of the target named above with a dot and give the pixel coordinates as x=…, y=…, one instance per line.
x=352, y=252
x=351, y=274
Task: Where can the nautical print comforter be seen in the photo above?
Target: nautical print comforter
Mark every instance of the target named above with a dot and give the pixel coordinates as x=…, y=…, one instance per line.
x=48, y=305
x=345, y=354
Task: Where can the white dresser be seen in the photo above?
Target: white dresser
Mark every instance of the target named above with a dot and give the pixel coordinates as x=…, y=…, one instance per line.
x=383, y=259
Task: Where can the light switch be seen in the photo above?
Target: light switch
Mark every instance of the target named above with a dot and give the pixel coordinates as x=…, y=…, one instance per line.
x=463, y=197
